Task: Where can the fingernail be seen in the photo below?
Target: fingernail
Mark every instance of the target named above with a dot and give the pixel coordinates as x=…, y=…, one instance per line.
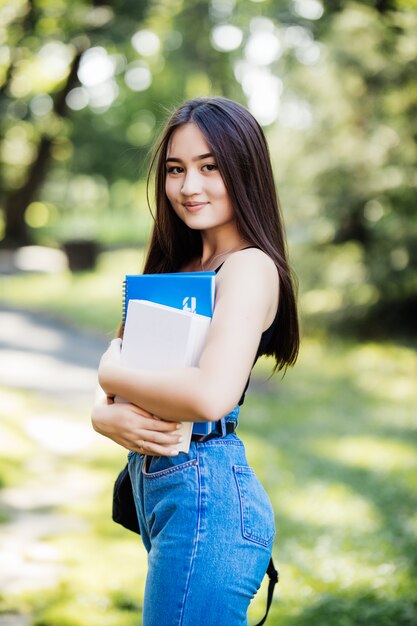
x=174, y=452
x=178, y=426
x=180, y=439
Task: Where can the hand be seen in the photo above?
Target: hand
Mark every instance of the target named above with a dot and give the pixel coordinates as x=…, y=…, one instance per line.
x=134, y=428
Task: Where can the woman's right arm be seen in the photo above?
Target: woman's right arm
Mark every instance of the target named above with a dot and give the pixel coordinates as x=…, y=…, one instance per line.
x=133, y=427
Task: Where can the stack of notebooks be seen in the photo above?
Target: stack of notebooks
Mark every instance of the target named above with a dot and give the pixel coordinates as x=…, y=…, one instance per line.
x=166, y=321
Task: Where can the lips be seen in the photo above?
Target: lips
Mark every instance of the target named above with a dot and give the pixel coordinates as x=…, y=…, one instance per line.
x=193, y=207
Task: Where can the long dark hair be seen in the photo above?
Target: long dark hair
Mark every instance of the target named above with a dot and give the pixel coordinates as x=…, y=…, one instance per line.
x=241, y=152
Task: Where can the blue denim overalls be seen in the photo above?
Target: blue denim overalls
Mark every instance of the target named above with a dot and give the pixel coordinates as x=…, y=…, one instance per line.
x=208, y=527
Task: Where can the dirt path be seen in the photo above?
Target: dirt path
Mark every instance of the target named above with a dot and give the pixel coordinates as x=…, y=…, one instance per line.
x=46, y=356
x=57, y=365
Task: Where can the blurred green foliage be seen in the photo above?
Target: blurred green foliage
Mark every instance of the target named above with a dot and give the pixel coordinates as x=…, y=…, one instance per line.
x=85, y=86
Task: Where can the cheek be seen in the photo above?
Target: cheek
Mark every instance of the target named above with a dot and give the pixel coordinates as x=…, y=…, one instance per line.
x=172, y=196
x=219, y=190
x=173, y=187
x=169, y=190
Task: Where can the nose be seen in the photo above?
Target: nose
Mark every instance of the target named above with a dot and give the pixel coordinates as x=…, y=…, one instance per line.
x=191, y=184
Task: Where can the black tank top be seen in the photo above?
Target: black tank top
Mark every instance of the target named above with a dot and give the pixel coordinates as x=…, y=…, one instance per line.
x=264, y=341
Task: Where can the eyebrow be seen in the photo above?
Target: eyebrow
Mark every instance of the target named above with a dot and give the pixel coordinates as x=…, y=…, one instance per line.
x=200, y=157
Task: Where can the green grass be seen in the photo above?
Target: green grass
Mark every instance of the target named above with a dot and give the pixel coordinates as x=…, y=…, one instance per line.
x=338, y=456
x=334, y=443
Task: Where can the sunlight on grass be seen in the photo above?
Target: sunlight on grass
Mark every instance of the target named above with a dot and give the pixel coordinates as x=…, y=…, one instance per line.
x=12, y=444
x=57, y=435
x=338, y=461
x=92, y=557
x=369, y=452
x=330, y=504
x=333, y=443
x=378, y=371
x=411, y=525
x=66, y=561
x=11, y=403
x=320, y=570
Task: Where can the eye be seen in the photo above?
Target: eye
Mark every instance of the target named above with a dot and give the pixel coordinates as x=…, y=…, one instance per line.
x=174, y=169
x=210, y=167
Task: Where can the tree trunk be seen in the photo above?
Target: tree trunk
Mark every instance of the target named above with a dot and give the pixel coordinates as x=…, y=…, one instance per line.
x=16, y=230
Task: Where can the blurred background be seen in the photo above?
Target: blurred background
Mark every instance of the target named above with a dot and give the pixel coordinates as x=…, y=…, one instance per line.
x=85, y=88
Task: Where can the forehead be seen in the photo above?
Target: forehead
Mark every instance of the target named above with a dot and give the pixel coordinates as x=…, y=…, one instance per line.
x=187, y=140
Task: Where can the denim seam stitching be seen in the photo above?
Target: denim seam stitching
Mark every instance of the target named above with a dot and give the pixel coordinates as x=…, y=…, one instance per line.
x=169, y=470
x=220, y=441
x=197, y=537
x=247, y=532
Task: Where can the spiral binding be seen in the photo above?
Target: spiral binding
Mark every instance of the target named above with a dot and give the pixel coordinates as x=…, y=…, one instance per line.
x=124, y=300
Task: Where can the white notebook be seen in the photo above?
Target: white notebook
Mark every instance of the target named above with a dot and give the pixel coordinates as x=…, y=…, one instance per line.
x=158, y=337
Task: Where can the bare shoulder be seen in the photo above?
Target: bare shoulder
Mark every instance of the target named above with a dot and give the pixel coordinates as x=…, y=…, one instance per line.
x=249, y=271
x=251, y=263
x=249, y=281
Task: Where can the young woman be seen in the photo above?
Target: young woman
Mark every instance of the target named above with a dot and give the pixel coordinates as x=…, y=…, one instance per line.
x=205, y=519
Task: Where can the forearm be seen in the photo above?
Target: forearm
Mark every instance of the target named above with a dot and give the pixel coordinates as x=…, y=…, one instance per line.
x=182, y=394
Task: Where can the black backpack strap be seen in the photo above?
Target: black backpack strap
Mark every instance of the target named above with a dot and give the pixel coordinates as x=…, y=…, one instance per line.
x=273, y=579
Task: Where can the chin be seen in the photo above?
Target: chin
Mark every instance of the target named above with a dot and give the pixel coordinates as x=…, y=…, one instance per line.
x=198, y=223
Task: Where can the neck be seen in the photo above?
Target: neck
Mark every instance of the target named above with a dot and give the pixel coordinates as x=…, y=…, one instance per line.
x=211, y=258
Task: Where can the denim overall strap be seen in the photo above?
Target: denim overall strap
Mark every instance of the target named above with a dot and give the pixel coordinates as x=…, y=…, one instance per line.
x=229, y=422
x=224, y=426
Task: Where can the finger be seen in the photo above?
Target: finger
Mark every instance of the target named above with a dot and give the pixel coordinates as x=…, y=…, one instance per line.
x=144, y=413
x=156, y=449
x=165, y=439
x=161, y=425
x=147, y=421
x=158, y=423
x=125, y=443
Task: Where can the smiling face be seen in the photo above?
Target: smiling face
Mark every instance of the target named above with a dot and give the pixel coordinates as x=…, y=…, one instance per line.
x=194, y=185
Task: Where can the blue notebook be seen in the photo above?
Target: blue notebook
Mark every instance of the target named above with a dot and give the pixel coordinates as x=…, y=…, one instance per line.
x=190, y=291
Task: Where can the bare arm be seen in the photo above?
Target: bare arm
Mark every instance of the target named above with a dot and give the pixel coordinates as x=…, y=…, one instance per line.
x=246, y=302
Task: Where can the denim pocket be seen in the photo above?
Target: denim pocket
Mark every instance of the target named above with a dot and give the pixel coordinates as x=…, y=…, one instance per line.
x=256, y=511
x=158, y=466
